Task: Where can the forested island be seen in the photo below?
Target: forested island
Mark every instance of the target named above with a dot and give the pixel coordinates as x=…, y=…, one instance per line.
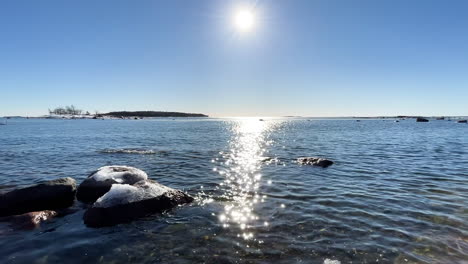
x=152, y=114
x=72, y=112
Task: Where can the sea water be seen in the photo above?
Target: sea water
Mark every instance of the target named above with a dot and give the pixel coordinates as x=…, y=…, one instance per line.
x=397, y=192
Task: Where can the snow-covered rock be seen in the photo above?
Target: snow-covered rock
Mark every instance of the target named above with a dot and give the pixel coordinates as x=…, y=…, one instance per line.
x=124, y=203
x=49, y=195
x=100, y=181
x=314, y=161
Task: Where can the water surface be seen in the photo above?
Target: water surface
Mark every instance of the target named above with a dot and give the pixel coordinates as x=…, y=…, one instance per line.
x=397, y=193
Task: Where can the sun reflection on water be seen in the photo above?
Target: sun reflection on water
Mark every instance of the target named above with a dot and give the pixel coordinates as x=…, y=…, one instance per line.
x=242, y=177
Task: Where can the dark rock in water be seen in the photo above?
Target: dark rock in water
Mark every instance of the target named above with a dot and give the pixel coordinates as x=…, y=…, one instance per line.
x=462, y=121
x=29, y=220
x=50, y=195
x=320, y=162
x=124, y=203
x=100, y=181
x=420, y=119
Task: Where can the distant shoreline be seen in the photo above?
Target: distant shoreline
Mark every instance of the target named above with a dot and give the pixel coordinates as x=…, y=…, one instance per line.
x=152, y=114
x=114, y=115
x=156, y=114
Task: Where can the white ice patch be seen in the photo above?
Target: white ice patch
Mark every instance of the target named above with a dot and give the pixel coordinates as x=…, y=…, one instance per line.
x=117, y=174
x=331, y=261
x=125, y=193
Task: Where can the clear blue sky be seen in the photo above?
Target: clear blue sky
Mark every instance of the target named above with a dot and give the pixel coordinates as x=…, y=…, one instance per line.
x=303, y=57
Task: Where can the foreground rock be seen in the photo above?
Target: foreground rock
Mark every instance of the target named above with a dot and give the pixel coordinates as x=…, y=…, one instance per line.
x=420, y=119
x=29, y=220
x=314, y=161
x=100, y=181
x=50, y=195
x=124, y=203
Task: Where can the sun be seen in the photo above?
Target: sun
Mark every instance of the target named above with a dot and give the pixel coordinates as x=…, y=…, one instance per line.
x=244, y=20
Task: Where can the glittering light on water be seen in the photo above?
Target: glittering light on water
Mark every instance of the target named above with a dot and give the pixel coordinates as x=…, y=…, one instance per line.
x=242, y=177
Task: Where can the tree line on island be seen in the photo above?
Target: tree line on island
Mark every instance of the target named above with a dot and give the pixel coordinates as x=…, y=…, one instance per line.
x=72, y=110
x=152, y=114
x=67, y=110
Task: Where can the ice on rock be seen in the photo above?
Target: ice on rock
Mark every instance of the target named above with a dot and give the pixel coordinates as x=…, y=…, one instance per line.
x=125, y=193
x=124, y=203
x=120, y=174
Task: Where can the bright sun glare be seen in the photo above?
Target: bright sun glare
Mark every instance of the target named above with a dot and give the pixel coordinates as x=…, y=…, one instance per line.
x=244, y=20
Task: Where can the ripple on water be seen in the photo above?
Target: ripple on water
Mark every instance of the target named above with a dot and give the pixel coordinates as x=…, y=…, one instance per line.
x=389, y=198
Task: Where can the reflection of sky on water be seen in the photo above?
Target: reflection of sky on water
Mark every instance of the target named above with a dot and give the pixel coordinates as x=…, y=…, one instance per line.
x=242, y=177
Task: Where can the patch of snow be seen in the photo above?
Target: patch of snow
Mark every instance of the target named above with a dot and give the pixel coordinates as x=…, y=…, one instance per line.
x=125, y=193
x=120, y=174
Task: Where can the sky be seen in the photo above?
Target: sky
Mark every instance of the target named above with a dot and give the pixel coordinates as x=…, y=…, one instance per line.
x=301, y=57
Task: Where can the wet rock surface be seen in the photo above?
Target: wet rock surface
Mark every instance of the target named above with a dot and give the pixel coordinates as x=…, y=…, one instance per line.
x=29, y=220
x=100, y=181
x=314, y=161
x=124, y=203
x=49, y=195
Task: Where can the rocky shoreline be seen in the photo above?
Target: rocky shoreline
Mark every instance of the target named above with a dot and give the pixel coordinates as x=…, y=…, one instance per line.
x=111, y=195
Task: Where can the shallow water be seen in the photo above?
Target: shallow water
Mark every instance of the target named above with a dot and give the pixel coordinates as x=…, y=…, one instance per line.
x=397, y=193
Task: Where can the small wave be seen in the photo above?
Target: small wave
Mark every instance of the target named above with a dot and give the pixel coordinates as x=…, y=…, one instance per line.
x=129, y=151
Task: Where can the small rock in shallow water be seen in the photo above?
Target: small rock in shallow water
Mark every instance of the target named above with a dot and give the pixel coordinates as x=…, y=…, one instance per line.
x=420, y=119
x=314, y=161
x=100, y=181
x=29, y=220
x=124, y=203
x=49, y=195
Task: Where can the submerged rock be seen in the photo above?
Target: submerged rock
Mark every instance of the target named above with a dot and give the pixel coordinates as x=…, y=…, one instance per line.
x=269, y=160
x=462, y=121
x=29, y=220
x=420, y=119
x=314, y=161
x=331, y=261
x=49, y=195
x=128, y=151
x=124, y=203
x=100, y=181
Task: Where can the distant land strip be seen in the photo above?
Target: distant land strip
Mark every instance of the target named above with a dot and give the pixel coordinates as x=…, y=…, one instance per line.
x=151, y=114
